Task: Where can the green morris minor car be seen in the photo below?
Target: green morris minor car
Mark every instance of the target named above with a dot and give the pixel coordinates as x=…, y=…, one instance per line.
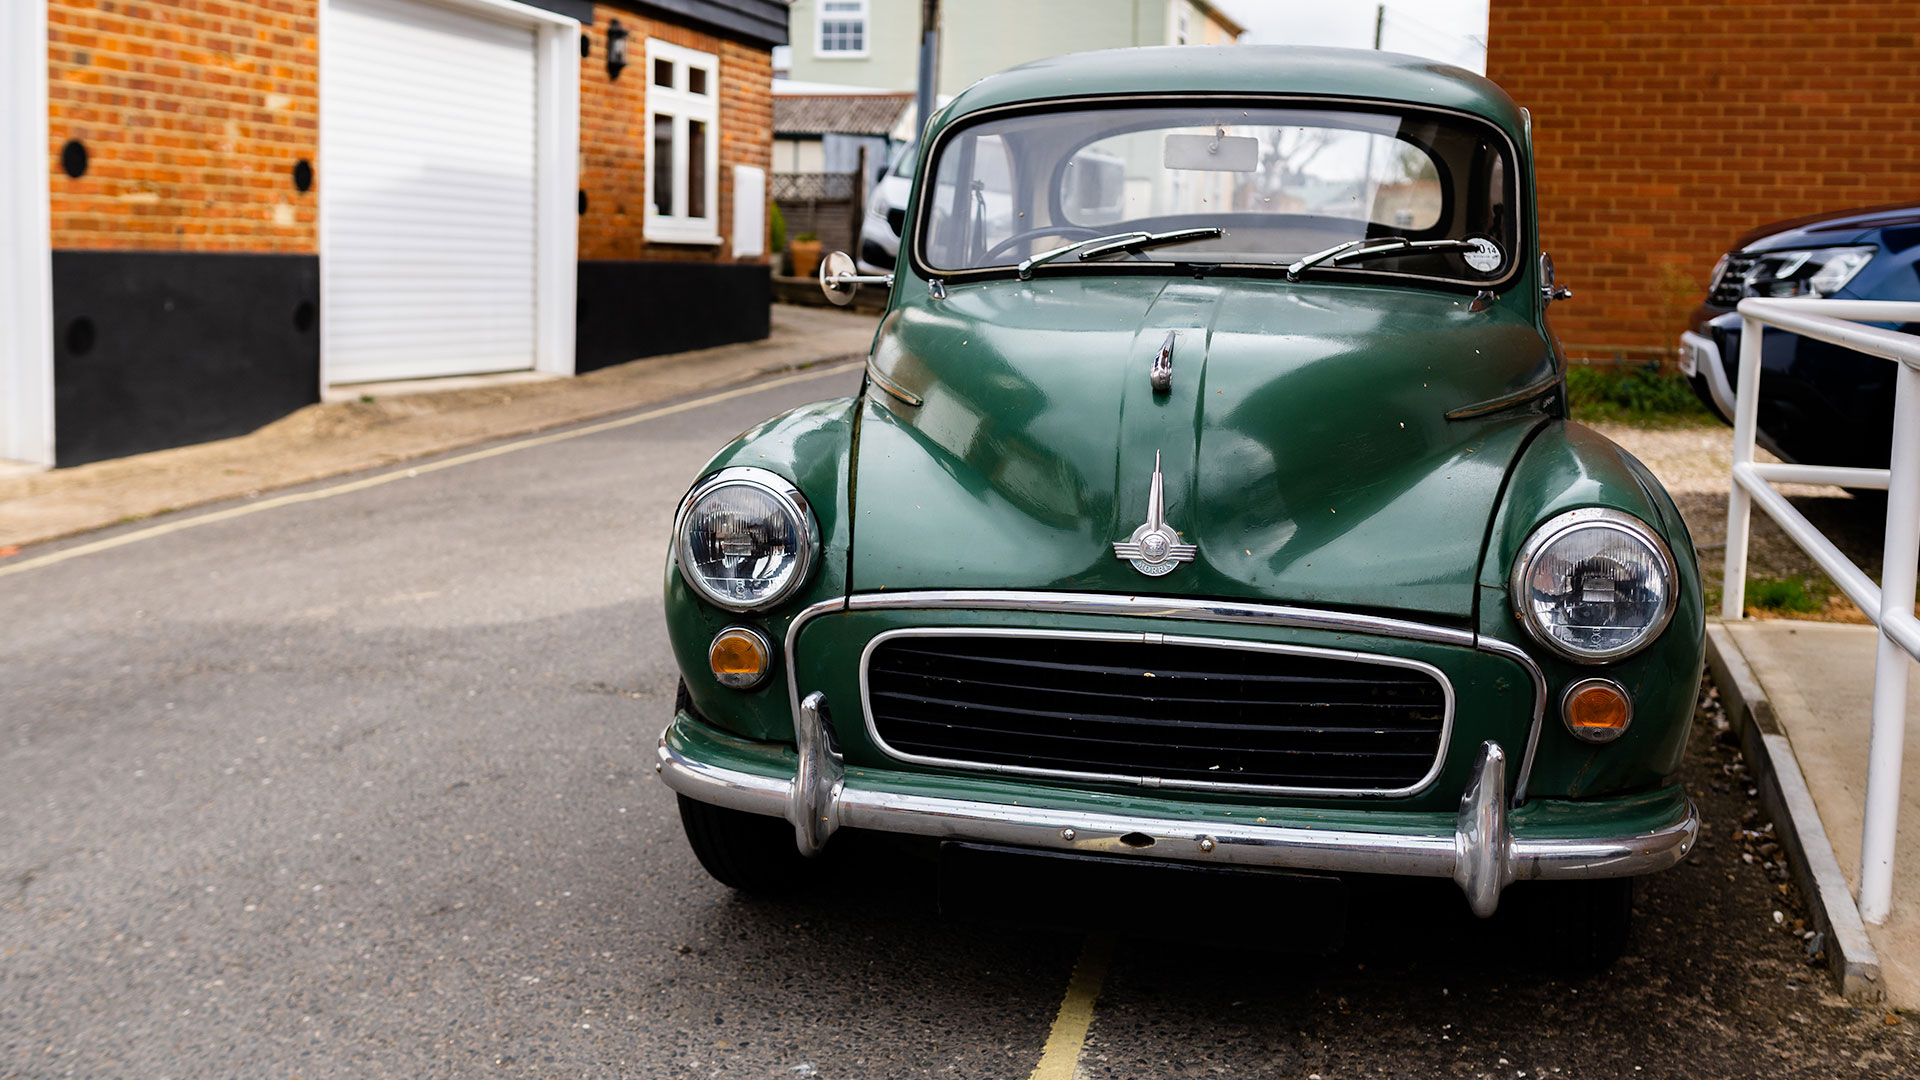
x=1211, y=498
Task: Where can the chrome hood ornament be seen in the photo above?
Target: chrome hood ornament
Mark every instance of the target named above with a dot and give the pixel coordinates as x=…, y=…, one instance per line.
x=1154, y=548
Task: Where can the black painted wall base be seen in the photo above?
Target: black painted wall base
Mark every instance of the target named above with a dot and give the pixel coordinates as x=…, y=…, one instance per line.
x=627, y=310
x=160, y=349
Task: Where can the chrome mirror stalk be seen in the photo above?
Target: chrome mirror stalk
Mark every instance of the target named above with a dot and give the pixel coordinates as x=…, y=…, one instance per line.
x=840, y=279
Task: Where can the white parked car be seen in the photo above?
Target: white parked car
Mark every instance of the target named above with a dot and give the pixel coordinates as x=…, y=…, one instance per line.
x=886, y=210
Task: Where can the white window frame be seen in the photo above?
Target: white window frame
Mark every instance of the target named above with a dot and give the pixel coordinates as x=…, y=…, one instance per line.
x=683, y=107
x=865, y=15
x=26, y=260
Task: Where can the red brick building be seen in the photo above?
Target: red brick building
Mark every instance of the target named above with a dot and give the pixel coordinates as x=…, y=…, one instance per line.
x=249, y=201
x=1664, y=129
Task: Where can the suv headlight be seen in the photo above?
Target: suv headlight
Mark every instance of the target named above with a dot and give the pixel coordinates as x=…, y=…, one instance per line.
x=745, y=538
x=1594, y=585
x=1800, y=272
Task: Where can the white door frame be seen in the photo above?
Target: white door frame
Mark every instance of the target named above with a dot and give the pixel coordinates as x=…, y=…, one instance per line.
x=26, y=257
x=556, y=170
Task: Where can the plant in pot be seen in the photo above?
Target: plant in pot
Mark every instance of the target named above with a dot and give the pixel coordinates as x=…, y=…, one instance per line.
x=806, y=254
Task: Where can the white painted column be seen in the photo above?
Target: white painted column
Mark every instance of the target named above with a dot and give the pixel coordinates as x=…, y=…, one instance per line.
x=26, y=264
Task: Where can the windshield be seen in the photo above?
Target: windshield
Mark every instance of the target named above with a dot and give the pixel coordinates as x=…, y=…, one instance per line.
x=1281, y=183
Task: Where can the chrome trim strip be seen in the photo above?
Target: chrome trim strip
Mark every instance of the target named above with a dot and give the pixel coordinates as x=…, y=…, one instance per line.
x=1432, y=773
x=863, y=801
x=800, y=620
x=1161, y=607
x=1519, y=656
x=893, y=389
x=1527, y=393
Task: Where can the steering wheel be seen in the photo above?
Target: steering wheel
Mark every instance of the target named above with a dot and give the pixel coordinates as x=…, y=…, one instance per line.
x=1073, y=231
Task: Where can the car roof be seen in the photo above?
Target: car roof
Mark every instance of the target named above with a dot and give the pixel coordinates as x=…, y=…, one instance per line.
x=1246, y=69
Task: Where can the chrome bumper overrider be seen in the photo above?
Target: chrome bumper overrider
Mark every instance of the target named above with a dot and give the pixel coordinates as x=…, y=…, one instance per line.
x=1480, y=852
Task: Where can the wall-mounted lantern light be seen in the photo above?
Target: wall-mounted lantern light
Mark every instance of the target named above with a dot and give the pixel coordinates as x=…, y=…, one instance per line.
x=616, y=48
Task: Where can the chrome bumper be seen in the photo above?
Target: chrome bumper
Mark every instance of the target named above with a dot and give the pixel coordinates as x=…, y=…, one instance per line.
x=1481, y=854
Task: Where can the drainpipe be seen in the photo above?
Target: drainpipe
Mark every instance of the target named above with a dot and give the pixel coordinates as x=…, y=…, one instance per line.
x=929, y=58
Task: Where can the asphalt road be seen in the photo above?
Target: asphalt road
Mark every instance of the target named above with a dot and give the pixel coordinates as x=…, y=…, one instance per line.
x=362, y=786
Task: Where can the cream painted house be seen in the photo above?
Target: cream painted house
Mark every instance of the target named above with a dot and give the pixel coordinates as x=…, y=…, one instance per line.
x=876, y=43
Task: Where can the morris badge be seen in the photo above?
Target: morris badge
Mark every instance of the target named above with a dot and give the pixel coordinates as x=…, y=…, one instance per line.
x=1154, y=548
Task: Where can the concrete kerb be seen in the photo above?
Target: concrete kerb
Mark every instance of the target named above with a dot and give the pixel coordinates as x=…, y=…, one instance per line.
x=1851, y=960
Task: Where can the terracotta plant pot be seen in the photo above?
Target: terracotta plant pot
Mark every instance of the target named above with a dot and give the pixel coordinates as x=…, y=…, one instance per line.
x=806, y=257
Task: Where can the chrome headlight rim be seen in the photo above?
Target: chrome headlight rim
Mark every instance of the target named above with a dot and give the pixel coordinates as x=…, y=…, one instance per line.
x=1561, y=525
x=790, y=501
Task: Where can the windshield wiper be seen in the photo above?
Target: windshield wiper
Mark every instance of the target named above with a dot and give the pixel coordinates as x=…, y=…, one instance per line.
x=1097, y=246
x=1142, y=241
x=1385, y=245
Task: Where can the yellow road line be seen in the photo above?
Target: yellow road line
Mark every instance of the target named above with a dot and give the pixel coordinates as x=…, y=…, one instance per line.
x=1060, y=1059
x=364, y=483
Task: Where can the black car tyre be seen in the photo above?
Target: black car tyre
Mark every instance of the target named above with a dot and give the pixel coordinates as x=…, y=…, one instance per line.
x=1576, y=927
x=749, y=852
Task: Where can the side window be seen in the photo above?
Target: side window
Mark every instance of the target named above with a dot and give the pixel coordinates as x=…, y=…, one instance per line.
x=683, y=145
x=970, y=218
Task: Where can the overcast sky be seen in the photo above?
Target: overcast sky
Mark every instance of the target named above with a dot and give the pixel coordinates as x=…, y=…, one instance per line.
x=1454, y=31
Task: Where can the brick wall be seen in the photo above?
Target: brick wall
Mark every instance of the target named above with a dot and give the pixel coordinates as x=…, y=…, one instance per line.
x=193, y=114
x=1664, y=129
x=613, y=126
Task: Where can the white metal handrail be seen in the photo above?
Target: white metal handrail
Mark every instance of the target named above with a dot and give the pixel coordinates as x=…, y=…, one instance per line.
x=1890, y=604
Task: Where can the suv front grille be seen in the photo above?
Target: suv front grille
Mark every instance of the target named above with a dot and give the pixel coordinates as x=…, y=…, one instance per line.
x=1189, y=714
x=1730, y=283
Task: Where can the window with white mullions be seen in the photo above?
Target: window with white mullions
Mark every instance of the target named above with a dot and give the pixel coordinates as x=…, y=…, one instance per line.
x=683, y=197
x=841, y=29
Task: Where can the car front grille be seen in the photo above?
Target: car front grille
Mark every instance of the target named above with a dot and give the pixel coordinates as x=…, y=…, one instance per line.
x=1730, y=283
x=896, y=219
x=1191, y=714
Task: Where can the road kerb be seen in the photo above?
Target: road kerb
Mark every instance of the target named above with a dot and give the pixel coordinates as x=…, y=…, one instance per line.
x=1851, y=960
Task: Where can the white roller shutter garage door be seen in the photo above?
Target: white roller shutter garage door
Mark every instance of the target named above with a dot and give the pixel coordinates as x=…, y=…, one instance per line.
x=428, y=191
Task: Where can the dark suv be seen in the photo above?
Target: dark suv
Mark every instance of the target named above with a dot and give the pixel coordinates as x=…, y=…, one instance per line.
x=1820, y=404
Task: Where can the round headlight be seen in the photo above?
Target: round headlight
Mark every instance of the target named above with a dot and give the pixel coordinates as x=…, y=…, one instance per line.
x=745, y=538
x=1594, y=585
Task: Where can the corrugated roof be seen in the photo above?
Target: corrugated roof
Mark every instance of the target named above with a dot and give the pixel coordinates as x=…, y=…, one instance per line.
x=838, y=114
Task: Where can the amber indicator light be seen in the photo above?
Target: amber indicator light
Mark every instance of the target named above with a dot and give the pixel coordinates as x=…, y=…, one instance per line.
x=738, y=657
x=1598, y=710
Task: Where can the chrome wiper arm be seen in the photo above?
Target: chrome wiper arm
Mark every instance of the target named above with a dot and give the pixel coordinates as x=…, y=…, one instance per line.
x=1407, y=246
x=1385, y=245
x=1141, y=241
x=1025, y=269
x=1318, y=257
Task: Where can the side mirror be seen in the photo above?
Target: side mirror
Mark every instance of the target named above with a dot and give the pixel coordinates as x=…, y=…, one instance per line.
x=840, y=279
x=1549, y=292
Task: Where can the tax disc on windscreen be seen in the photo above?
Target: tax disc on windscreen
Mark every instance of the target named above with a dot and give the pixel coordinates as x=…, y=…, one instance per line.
x=1484, y=256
